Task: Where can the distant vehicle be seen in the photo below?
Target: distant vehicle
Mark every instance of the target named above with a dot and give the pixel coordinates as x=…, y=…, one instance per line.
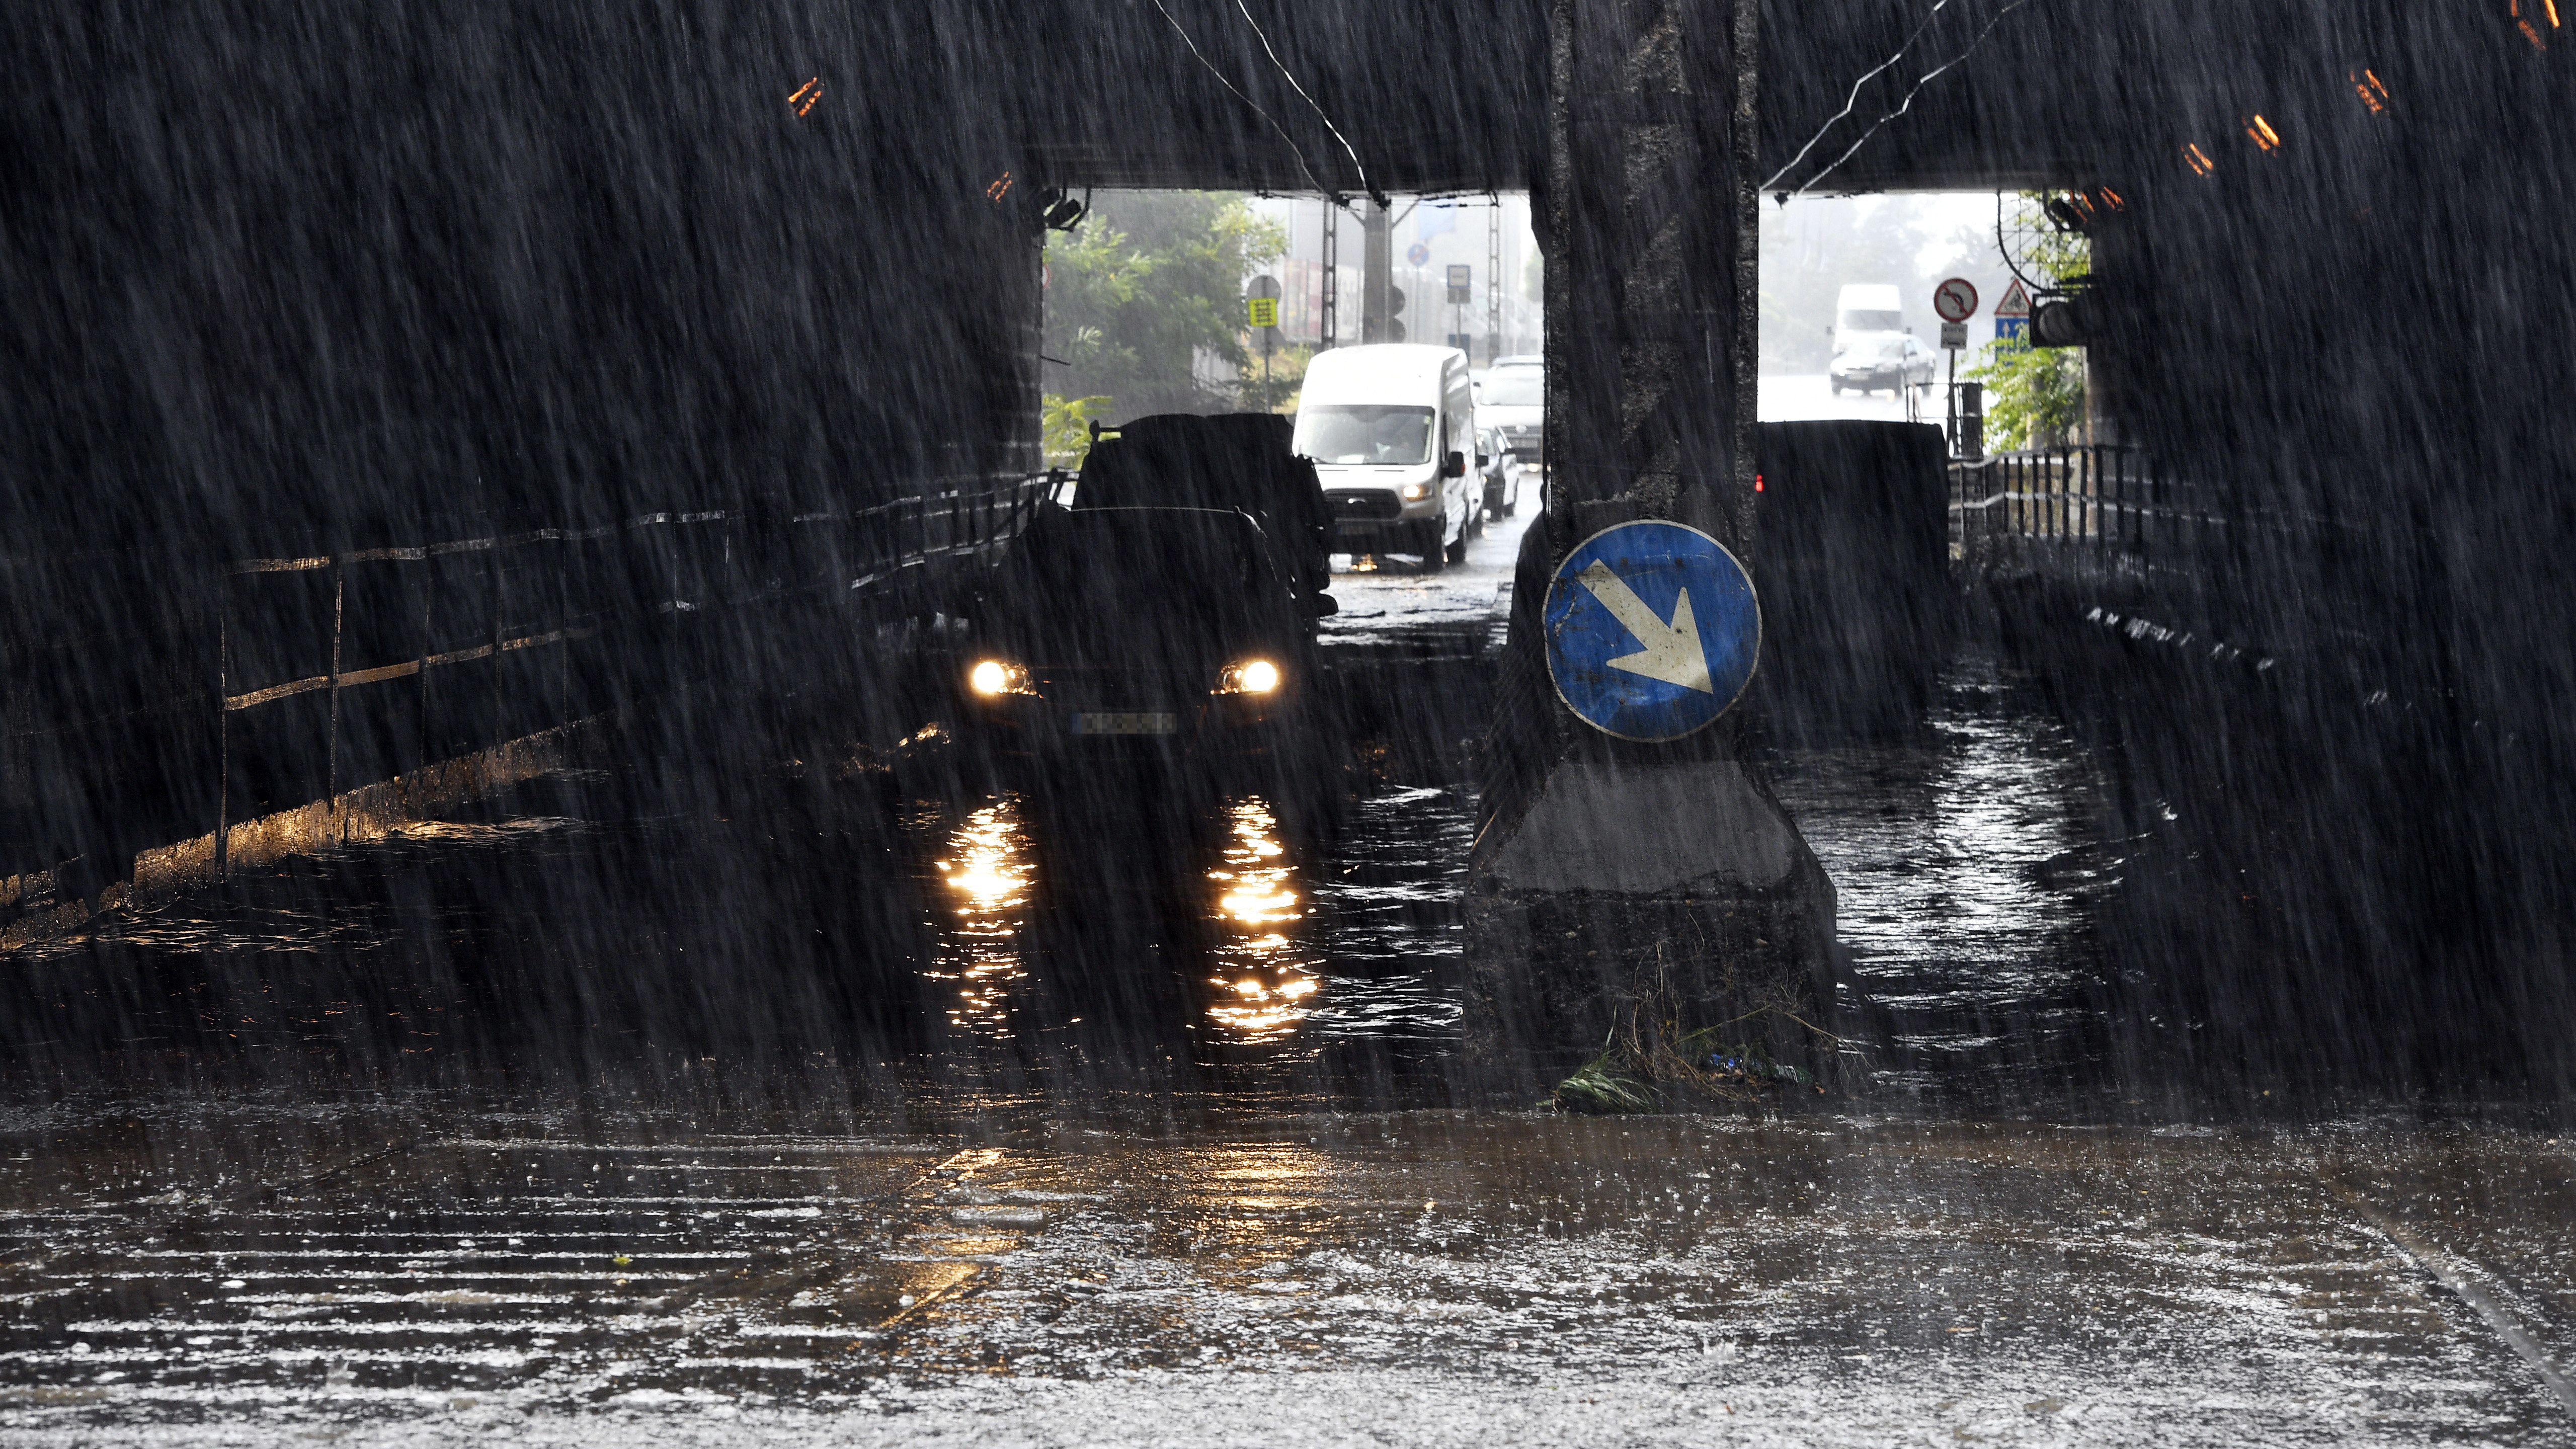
x=1522, y=359
x=1514, y=406
x=1890, y=362
x=1158, y=635
x=1389, y=427
x=1502, y=474
x=1867, y=309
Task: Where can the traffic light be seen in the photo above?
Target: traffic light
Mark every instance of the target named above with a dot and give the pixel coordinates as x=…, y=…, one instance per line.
x=2060, y=320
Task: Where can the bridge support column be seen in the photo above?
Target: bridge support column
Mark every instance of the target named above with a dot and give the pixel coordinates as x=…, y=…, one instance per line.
x=1618, y=885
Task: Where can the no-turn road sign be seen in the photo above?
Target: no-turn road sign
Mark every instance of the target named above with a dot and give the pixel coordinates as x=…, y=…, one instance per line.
x=1652, y=630
x=1955, y=300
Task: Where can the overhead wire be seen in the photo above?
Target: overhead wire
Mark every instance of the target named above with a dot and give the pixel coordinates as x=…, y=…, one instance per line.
x=1317, y=107
x=1293, y=147
x=1920, y=82
x=1854, y=98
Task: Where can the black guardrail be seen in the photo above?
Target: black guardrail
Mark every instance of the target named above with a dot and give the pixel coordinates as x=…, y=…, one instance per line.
x=2103, y=498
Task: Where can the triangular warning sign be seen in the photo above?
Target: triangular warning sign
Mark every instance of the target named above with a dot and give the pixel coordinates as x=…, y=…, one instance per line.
x=2016, y=302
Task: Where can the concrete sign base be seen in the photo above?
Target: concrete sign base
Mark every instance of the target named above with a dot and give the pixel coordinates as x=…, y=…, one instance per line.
x=1679, y=892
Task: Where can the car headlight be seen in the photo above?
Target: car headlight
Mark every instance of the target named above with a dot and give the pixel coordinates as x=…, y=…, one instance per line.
x=1416, y=492
x=1250, y=676
x=993, y=676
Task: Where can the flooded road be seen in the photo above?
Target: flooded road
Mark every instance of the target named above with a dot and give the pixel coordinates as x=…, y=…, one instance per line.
x=613, y=1113
x=1423, y=1277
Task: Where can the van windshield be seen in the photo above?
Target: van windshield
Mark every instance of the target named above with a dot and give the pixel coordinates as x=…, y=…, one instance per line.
x=1856, y=320
x=1364, y=433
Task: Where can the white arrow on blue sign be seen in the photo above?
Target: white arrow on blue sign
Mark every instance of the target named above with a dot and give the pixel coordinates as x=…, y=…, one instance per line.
x=1652, y=630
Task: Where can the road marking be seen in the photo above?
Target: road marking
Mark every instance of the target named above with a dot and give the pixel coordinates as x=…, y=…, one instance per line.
x=1672, y=652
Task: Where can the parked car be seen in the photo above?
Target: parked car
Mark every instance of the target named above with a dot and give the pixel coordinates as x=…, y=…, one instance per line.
x=1882, y=360
x=1161, y=635
x=1389, y=427
x=1502, y=474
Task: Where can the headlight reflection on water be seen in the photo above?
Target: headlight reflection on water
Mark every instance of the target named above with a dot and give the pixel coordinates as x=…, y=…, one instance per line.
x=1266, y=980
x=1266, y=984
x=988, y=872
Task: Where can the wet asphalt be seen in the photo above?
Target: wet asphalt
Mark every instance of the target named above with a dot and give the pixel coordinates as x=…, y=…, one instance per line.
x=552, y=1125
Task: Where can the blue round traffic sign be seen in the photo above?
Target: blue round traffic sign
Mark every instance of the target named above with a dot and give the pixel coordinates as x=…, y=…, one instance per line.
x=1652, y=630
x=1417, y=254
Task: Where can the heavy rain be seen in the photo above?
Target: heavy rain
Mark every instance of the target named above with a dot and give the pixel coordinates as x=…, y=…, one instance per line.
x=1217, y=722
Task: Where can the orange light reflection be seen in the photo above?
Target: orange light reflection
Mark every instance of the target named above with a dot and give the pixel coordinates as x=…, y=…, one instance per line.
x=989, y=874
x=1267, y=983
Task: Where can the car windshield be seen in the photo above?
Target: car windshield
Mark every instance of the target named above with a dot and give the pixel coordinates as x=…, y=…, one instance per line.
x=1364, y=433
x=1514, y=387
x=1155, y=568
x=1860, y=321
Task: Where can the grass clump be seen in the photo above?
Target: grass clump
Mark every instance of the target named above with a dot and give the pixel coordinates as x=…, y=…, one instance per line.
x=1652, y=1063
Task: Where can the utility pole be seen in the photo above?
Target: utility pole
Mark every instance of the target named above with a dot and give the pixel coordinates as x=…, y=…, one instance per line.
x=1328, y=333
x=1377, y=265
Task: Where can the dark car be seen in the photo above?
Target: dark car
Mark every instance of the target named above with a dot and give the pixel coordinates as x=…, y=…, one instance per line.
x=1229, y=461
x=1153, y=635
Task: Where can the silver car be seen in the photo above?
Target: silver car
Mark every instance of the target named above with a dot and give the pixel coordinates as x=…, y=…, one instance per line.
x=1890, y=360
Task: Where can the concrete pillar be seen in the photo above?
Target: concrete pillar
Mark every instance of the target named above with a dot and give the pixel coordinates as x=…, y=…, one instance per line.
x=1610, y=876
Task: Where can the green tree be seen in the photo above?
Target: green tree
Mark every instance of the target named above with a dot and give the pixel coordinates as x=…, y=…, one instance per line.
x=1287, y=377
x=2035, y=395
x=1064, y=427
x=1145, y=300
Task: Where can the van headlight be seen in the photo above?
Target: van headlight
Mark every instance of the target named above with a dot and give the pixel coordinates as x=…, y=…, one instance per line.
x=992, y=677
x=1416, y=492
x=1249, y=676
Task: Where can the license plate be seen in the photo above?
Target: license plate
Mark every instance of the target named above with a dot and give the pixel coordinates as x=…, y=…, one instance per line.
x=1094, y=722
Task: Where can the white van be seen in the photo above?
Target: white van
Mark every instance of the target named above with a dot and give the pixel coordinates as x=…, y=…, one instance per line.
x=1513, y=403
x=1391, y=428
x=1866, y=312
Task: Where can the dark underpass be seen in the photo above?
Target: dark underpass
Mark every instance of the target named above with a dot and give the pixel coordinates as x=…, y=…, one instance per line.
x=552, y=888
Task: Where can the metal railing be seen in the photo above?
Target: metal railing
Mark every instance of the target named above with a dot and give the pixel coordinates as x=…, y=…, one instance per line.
x=2103, y=499
x=2266, y=560
x=410, y=655
x=958, y=516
